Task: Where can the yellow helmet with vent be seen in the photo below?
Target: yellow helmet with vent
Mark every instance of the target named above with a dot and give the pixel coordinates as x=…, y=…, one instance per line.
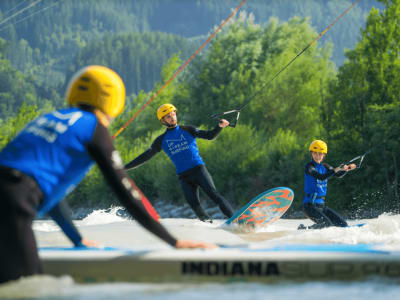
x=319, y=146
x=99, y=87
x=164, y=110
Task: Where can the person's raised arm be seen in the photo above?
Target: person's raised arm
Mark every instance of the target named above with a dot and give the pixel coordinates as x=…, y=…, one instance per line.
x=207, y=134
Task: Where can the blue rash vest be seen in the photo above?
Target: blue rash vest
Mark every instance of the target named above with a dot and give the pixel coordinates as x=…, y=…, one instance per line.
x=316, y=182
x=52, y=150
x=181, y=147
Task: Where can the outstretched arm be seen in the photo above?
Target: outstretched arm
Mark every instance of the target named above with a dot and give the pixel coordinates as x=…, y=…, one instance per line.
x=145, y=156
x=102, y=150
x=207, y=134
x=141, y=159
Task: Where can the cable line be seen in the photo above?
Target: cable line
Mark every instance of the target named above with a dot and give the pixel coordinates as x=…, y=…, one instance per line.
x=20, y=11
x=30, y=15
x=14, y=8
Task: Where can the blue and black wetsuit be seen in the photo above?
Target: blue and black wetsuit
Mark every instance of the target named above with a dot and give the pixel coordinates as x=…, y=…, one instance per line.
x=315, y=187
x=180, y=145
x=40, y=166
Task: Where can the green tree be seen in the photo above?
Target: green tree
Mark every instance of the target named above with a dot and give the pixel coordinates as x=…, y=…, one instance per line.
x=239, y=67
x=11, y=126
x=15, y=87
x=137, y=57
x=366, y=115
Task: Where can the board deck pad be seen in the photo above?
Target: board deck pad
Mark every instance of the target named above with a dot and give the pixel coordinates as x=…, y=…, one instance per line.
x=264, y=209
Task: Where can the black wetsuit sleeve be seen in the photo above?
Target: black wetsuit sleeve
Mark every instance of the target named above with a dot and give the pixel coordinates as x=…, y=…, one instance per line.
x=61, y=214
x=339, y=174
x=145, y=156
x=203, y=134
x=102, y=150
x=311, y=170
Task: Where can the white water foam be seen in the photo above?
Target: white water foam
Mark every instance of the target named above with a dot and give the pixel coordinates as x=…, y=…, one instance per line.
x=383, y=231
x=103, y=216
x=97, y=217
x=45, y=226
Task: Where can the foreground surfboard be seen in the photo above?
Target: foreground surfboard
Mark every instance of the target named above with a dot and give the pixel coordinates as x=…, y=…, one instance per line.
x=293, y=262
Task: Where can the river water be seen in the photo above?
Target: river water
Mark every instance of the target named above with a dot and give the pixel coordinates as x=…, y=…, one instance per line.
x=109, y=229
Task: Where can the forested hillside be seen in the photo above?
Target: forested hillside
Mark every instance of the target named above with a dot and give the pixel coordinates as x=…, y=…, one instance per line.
x=352, y=104
x=48, y=39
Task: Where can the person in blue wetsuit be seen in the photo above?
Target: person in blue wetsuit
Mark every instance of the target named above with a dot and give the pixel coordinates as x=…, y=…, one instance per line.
x=179, y=143
x=316, y=175
x=51, y=155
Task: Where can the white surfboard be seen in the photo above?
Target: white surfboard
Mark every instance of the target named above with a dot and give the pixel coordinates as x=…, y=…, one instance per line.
x=293, y=262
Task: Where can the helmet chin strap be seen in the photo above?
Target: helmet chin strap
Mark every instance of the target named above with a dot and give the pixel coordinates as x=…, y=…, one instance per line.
x=168, y=125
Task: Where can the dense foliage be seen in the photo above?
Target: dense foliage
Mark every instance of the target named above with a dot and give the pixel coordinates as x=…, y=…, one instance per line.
x=365, y=103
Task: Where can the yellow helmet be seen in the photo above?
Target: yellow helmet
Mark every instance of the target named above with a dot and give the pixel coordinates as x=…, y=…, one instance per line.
x=319, y=146
x=99, y=87
x=164, y=110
